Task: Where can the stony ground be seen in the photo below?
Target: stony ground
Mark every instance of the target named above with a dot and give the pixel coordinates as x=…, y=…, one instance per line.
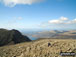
x=39, y=48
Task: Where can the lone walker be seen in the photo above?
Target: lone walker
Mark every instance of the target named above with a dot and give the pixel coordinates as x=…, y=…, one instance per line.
x=49, y=44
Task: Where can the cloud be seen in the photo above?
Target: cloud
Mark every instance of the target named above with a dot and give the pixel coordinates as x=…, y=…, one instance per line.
x=15, y=20
x=72, y=22
x=12, y=3
x=60, y=23
x=20, y=18
x=55, y=21
x=62, y=20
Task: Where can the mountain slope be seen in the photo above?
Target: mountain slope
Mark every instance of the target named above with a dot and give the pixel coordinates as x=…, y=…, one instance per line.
x=39, y=48
x=11, y=37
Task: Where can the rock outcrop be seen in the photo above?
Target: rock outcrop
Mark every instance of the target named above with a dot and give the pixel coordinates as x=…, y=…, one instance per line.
x=11, y=37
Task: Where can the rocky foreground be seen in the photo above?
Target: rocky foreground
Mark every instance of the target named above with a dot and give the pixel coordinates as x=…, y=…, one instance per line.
x=39, y=48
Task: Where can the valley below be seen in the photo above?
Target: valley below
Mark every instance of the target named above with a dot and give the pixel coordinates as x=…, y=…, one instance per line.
x=53, y=34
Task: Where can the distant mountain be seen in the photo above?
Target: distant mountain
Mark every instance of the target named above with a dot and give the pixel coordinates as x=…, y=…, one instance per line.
x=8, y=37
x=56, y=34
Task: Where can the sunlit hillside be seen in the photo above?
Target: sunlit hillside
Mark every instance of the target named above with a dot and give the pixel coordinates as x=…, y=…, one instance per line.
x=39, y=48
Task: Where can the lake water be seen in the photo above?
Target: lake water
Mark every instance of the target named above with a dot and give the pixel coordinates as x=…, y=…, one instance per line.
x=32, y=38
x=29, y=34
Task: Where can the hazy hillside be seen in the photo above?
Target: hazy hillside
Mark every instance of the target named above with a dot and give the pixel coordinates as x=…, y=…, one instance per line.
x=39, y=48
x=56, y=34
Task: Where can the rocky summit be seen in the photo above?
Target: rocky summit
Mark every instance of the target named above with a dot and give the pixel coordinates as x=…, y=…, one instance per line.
x=40, y=48
x=8, y=37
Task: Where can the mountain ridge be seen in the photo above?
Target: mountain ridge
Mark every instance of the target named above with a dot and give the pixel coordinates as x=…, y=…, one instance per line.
x=11, y=36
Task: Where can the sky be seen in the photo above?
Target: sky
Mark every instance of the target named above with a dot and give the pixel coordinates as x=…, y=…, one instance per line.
x=38, y=14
